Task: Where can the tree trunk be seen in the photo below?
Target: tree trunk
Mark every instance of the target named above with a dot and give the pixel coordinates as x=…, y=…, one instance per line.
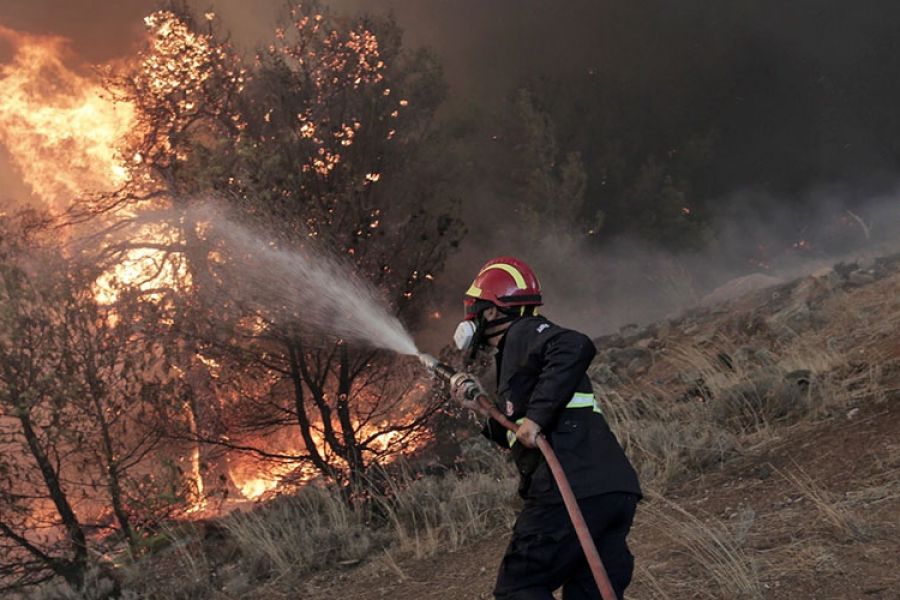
x=71, y=570
x=354, y=456
x=302, y=418
x=113, y=482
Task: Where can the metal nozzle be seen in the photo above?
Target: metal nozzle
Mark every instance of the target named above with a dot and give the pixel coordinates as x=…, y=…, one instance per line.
x=437, y=368
x=428, y=361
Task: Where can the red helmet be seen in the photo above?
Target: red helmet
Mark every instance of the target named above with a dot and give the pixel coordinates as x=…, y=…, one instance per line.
x=506, y=282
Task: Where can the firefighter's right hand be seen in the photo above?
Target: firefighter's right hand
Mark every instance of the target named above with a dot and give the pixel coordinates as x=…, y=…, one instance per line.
x=466, y=389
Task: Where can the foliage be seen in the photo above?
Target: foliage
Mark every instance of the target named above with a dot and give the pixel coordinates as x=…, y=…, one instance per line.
x=81, y=388
x=577, y=158
x=327, y=143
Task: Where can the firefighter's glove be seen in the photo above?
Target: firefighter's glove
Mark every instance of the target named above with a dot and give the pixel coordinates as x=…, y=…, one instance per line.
x=466, y=389
x=527, y=433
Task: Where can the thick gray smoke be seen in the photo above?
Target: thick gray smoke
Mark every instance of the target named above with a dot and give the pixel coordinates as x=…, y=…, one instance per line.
x=801, y=95
x=632, y=281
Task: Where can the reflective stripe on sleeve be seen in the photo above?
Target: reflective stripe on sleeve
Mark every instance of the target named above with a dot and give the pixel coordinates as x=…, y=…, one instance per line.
x=579, y=400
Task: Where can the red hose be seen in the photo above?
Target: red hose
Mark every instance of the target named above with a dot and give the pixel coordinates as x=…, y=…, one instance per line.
x=581, y=528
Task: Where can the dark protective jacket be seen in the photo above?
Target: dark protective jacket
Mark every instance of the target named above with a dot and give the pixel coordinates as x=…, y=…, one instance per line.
x=541, y=375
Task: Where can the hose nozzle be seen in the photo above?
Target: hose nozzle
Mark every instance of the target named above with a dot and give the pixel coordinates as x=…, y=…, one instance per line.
x=437, y=368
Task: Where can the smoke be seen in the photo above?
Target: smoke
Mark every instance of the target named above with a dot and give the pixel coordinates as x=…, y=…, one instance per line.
x=803, y=96
x=628, y=280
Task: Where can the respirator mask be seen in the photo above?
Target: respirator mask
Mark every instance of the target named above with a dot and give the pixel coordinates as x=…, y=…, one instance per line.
x=464, y=336
x=471, y=334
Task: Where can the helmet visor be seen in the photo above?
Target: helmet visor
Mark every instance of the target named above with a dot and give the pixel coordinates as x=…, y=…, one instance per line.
x=474, y=306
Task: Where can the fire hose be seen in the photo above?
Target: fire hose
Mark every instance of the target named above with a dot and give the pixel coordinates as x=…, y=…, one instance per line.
x=473, y=392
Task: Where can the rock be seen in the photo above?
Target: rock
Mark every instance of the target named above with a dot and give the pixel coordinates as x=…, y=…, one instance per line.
x=763, y=396
x=800, y=379
x=631, y=333
x=629, y=329
x=651, y=343
x=626, y=356
x=689, y=377
x=604, y=375
x=828, y=278
x=664, y=329
x=858, y=278
x=795, y=317
x=637, y=367
x=867, y=263
x=844, y=269
x=738, y=287
x=613, y=340
x=852, y=413
x=758, y=357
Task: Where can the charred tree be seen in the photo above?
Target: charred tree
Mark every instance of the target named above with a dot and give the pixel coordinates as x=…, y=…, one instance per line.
x=327, y=142
x=80, y=383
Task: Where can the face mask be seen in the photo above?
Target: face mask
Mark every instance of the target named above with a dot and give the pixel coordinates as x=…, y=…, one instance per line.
x=471, y=334
x=464, y=337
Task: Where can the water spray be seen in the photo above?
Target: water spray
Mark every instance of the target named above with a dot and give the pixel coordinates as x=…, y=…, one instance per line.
x=472, y=391
x=328, y=297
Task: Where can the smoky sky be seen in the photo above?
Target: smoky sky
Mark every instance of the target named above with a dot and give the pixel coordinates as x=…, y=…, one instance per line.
x=803, y=96
x=812, y=81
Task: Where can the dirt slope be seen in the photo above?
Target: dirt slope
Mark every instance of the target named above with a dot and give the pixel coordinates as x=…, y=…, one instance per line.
x=807, y=508
x=798, y=552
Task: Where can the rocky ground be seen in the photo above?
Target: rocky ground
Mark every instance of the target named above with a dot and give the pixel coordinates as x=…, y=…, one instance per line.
x=792, y=491
x=765, y=425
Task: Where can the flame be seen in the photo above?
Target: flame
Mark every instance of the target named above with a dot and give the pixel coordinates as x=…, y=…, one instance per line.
x=149, y=269
x=255, y=478
x=253, y=489
x=65, y=134
x=62, y=129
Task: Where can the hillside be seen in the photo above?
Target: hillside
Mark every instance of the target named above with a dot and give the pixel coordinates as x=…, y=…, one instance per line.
x=766, y=429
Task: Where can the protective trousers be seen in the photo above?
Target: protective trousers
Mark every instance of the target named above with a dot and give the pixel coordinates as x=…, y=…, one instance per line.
x=544, y=552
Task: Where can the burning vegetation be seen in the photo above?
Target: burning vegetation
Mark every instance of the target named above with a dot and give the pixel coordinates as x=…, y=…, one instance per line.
x=145, y=375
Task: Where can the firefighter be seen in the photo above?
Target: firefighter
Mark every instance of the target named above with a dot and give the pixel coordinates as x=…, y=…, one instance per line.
x=542, y=385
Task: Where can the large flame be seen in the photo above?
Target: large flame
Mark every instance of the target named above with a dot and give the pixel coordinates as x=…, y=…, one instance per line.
x=62, y=129
x=65, y=132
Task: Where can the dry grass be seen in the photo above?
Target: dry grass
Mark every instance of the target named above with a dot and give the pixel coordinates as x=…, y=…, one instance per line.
x=653, y=583
x=738, y=397
x=295, y=534
x=748, y=390
x=274, y=546
x=844, y=524
x=727, y=570
x=411, y=516
x=722, y=399
x=430, y=514
x=666, y=441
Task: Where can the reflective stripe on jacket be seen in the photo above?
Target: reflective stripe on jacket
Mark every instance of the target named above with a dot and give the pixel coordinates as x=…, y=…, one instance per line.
x=542, y=376
x=579, y=400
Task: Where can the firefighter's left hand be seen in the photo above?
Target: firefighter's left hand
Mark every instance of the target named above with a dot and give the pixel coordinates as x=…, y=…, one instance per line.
x=527, y=433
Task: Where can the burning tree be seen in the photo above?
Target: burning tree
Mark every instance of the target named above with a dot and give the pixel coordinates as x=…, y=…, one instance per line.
x=326, y=142
x=81, y=387
x=339, y=149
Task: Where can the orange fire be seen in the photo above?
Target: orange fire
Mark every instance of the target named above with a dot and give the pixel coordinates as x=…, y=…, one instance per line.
x=62, y=130
x=256, y=479
x=65, y=134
